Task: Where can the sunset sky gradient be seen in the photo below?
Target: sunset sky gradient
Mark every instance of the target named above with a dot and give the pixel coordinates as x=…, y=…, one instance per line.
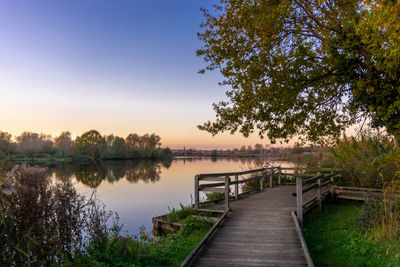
x=115, y=66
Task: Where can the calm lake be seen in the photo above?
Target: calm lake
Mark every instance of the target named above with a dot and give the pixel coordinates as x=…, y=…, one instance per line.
x=140, y=190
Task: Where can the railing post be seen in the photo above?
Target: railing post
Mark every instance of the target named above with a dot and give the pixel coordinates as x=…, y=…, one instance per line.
x=270, y=178
x=227, y=182
x=299, y=194
x=279, y=175
x=236, y=187
x=262, y=181
x=332, y=188
x=319, y=199
x=196, y=192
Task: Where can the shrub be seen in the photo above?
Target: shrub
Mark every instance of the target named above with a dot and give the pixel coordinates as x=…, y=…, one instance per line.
x=44, y=221
x=371, y=161
x=384, y=213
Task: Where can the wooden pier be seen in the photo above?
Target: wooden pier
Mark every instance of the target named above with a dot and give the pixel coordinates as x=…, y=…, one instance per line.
x=264, y=228
x=259, y=231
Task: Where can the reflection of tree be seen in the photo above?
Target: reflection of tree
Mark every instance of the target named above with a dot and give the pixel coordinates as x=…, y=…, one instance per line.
x=112, y=171
x=62, y=172
x=147, y=171
x=90, y=175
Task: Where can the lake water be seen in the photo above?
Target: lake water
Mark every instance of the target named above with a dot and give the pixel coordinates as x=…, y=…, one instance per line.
x=140, y=190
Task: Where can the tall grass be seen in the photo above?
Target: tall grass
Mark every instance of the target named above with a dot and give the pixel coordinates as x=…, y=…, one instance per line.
x=369, y=161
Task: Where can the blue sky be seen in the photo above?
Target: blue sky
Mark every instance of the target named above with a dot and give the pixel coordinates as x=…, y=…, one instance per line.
x=115, y=66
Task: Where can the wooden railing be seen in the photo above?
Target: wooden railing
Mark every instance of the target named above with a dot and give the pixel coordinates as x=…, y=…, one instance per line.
x=319, y=181
x=222, y=182
x=323, y=184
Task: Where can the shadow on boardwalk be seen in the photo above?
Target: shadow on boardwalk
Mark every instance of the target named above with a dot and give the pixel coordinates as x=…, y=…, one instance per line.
x=258, y=232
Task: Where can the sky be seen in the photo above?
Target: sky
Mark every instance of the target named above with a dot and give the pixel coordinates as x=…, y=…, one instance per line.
x=118, y=67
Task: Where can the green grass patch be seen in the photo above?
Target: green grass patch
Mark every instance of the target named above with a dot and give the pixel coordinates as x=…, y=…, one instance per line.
x=334, y=239
x=214, y=196
x=179, y=215
x=145, y=250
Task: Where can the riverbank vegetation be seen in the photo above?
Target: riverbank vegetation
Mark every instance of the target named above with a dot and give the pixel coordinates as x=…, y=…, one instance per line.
x=46, y=222
x=268, y=151
x=337, y=237
x=145, y=249
x=369, y=232
x=90, y=146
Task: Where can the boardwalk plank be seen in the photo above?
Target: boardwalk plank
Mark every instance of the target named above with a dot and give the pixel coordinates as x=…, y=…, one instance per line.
x=259, y=232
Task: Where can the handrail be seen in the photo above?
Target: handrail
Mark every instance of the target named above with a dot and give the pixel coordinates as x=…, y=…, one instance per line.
x=225, y=182
x=313, y=179
x=203, y=175
x=317, y=182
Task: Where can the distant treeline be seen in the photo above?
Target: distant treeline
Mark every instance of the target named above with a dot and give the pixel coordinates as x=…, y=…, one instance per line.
x=88, y=147
x=257, y=150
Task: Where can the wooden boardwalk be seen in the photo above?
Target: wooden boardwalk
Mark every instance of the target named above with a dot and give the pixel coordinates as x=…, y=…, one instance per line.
x=260, y=231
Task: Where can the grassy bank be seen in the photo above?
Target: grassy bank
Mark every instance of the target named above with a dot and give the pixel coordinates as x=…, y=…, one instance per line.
x=334, y=238
x=146, y=250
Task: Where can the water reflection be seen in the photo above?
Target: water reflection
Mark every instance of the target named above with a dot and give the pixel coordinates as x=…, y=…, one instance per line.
x=140, y=190
x=147, y=171
x=112, y=171
x=261, y=161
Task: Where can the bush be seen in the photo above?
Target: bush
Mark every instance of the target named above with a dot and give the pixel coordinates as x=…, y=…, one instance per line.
x=384, y=214
x=44, y=221
x=371, y=161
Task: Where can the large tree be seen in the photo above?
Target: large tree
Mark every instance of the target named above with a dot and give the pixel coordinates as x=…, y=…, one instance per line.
x=5, y=144
x=304, y=67
x=64, y=144
x=90, y=143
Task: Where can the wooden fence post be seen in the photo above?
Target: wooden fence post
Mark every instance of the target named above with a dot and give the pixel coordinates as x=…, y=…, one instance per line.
x=319, y=199
x=270, y=178
x=236, y=187
x=262, y=182
x=227, y=182
x=332, y=188
x=299, y=194
x=196, y=192
x=279, y=175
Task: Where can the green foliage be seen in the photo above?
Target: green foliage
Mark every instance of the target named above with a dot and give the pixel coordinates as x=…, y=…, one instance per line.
x=177, y=215
x=145, y=250
x=214, y=196
x=90, y=143
x=5, y=144
x=252, y=185
x=384, y=214
x=307, y=68
x=87, y=148
x=335, y=239
x=370, y=161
